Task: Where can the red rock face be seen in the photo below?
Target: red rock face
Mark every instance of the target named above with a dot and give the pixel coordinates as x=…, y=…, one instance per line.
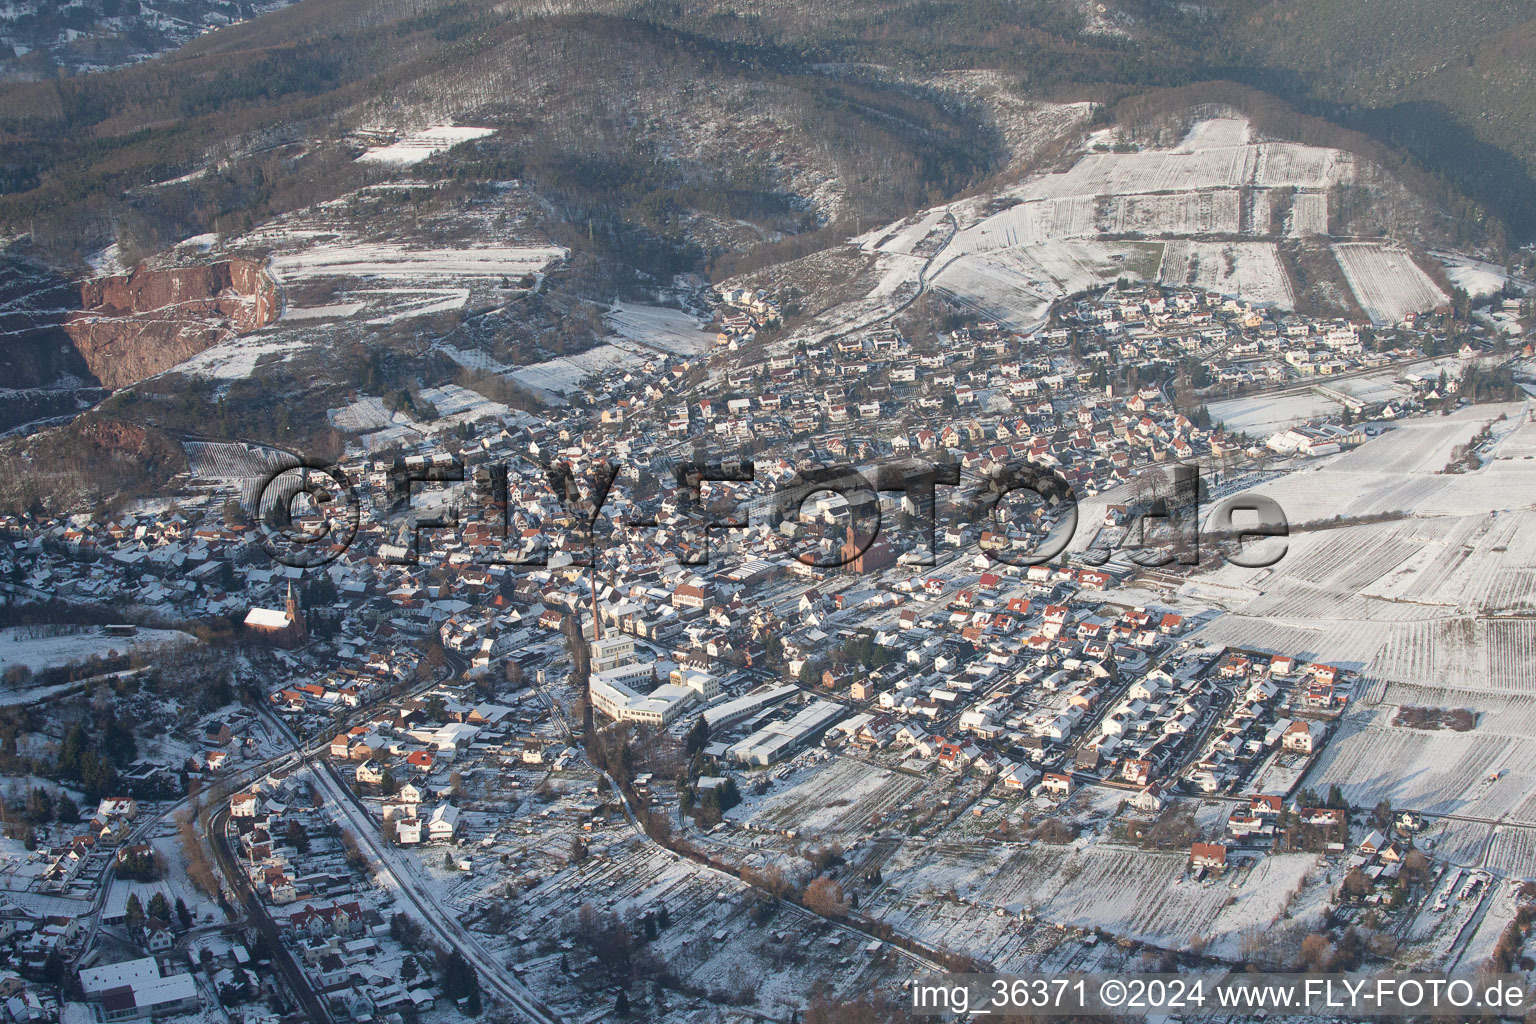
x=132, y=327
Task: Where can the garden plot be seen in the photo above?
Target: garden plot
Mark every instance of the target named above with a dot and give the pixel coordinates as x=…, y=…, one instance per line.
x=1386, y=281
x=419, y=145
x=838, y=800
x=670, y=330
x=712, y=943
x=1248, y=270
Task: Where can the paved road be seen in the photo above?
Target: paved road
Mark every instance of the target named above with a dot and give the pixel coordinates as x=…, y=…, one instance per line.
x=256, y=914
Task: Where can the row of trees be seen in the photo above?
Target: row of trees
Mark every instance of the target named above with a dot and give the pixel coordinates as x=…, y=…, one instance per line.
x=160, y=909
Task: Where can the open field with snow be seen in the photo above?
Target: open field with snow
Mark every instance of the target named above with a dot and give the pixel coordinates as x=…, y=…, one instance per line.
x=419, y=145
x=1477, y=773
x=1474, y=280
x=1014, y=253
x=401, y=262
x=1194, y=165
x=1247, y=270
x=1262, y=415
x=670, y=330
x=1386, y=281
x=1433, y=606
x=210, y=460
x=1217, y=211
x=1018, y=285
x=834, y=801
x=29, y=646
x=1132, y=892
x=1309, y=214
x=565, y=373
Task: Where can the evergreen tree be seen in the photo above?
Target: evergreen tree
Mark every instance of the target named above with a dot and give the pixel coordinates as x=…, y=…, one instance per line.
x=160, y=907
x=183, y=915
x=621, y=1004
x=135, y=910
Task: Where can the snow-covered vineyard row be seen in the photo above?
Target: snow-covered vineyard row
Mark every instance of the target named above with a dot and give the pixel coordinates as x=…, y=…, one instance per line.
x=1010, y=257
x=1386, y=281
x=1474, y=774
x=1196, y=165
x=220, y=460
x=402, y=262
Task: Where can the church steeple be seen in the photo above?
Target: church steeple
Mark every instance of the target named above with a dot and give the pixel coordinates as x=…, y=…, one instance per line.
x=295, y=615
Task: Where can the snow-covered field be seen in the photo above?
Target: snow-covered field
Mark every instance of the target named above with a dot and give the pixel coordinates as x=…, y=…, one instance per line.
x=20, y=645
x=1434, y=606
x=1261, y=416
x=1216, y=211
x=1208, y=158
x=1309, y=214
x=670, y=330
x=1248, y=270
x=391, y=281
x=419, y=145
x=1477, y=773
x=565, y=373
x=1475, y=280
x=210, y=460
x=1132, y=892
x=1018, y=285
x=458, y=405
x=1386, y=281
x=237, y=357
x=362, y=416
x=455, y=405
x=832, y=802
x=402, y=262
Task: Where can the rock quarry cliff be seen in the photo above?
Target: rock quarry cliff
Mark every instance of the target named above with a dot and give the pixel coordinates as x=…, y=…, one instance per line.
x=133, y=326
